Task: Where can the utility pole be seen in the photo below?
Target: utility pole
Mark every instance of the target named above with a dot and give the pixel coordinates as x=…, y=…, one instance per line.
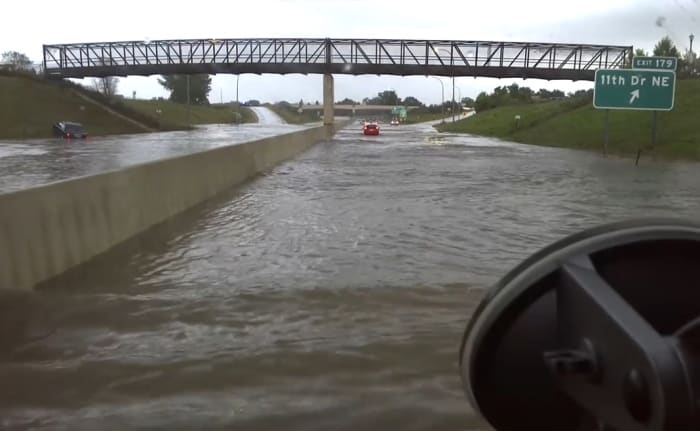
x=453, y=96
x=692, y=57
x=189, y=123
x=442, y=86
x=452, y=65
x=238, y=104
x=452, y=71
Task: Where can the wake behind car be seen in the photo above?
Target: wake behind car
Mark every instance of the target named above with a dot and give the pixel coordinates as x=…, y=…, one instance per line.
x=67, y=129
x=371, y=129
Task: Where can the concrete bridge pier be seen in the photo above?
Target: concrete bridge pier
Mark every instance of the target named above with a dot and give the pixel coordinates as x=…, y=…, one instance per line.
x=328, y=97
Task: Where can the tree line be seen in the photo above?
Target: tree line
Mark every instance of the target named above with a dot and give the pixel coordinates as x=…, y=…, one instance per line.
x=516, y=95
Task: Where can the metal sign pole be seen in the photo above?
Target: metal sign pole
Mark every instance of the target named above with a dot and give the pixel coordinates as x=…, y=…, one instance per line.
x=606, y=134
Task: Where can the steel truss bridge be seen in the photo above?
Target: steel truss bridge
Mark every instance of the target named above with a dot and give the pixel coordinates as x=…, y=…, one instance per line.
x=549, y=61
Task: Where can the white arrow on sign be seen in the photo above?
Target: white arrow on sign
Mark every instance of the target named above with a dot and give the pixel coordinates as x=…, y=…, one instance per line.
x=635, y=95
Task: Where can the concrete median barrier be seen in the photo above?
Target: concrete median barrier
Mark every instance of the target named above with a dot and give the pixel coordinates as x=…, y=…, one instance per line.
x=46, y=230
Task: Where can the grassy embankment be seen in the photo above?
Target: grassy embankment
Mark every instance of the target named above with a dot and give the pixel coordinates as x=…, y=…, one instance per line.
x=176, y=113
x=30, y=105
x=576, y=124
x=290, y=115
x=413, y=116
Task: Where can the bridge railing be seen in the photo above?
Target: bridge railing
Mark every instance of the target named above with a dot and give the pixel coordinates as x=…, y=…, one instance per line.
x=350, y=56
x=477, y=54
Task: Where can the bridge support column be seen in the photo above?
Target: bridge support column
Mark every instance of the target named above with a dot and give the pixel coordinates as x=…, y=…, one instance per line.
x=328, y=97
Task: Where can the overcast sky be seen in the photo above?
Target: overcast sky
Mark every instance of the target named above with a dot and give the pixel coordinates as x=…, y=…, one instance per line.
x=28, y=24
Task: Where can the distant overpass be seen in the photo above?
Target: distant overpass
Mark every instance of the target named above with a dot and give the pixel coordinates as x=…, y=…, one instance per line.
x=357, y=107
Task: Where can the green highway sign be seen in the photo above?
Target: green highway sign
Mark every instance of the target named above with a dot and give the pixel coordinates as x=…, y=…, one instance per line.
x=664, y=63
x=400, y=111
x=634, y=89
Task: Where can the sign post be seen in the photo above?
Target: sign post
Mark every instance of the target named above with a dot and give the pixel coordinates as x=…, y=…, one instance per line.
x=650, y=86
x=606, y=136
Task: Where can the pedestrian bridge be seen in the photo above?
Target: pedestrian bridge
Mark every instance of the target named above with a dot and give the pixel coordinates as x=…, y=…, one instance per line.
x=334, y=56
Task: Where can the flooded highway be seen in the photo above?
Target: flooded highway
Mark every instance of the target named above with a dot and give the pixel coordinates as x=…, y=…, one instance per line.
x=30, y=163
x=328, y=294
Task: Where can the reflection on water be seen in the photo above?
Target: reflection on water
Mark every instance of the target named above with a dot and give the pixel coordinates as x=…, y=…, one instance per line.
x=329, y=294
x=29, y=163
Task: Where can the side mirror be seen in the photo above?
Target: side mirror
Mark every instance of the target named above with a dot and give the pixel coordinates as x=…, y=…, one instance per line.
x=599, y=331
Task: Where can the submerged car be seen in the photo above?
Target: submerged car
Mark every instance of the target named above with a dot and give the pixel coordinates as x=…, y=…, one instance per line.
x=371, y=129
x=67, y=129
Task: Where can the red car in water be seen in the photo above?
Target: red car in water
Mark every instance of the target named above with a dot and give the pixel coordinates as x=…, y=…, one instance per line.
x=370, y=129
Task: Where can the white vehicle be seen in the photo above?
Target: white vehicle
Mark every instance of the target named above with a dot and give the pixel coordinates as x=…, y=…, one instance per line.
x=394, y=122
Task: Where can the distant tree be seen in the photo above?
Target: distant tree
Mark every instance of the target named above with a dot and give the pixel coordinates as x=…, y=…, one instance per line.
x=550, y=95
x=387, y=97
x=301, y=103
x=200, y=86
x=501, y=91
x=666, y=48
x=581, y=93
x=449, y=106
x=508, y=95
x=347, y=101
x=638, y=52
x=412, y=101
x=522, y=94
x=483, y=102
x=433, y=109
x=106, y=85
x=543, y=93
x=557, y=94
x=468, y=102
x=16, y=61
x=254, y=102
x=513, y=90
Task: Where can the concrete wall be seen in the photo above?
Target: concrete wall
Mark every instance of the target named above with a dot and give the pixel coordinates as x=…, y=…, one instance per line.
x=48, y=229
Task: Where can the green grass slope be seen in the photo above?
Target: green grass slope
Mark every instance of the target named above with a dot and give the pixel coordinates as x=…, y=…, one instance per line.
x=29, y=107
x=291, y=116
x=177, y=113
x=566, y=124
